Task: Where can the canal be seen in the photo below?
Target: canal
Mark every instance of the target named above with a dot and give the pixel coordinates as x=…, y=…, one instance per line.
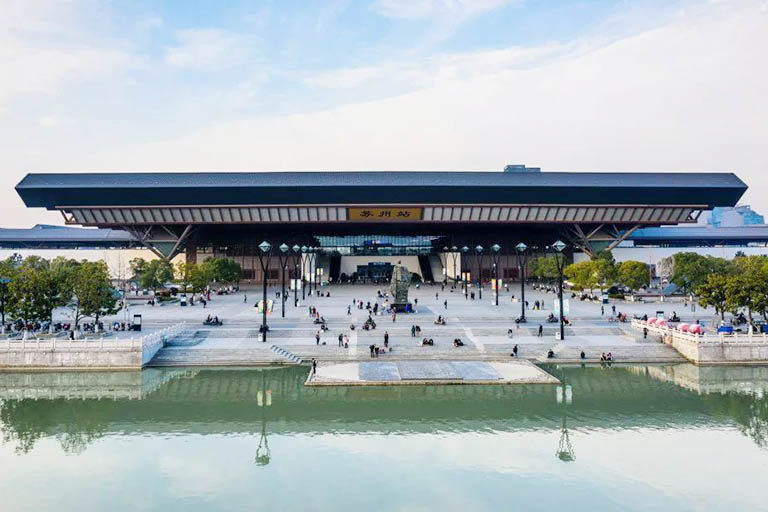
x=674, y=437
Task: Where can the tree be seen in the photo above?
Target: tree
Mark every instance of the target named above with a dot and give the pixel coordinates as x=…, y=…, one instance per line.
x=749, y=291
x=604, y=273
x=634, y=275
x=713, y=292
x=8, y=273
x=581, y=275
x=545, y=268
x=690, y=270
x=155, y=274
x=183, y=273
x=199, y=277
x=94, y=295
x=138, y=266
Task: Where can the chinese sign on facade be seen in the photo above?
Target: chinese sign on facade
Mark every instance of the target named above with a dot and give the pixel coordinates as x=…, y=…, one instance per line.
x=393, y=214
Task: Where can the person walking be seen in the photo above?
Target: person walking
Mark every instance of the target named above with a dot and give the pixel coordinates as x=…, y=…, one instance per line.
x=613, y=308
x=514, y=350
x=245, y=298
x=602, y=310
x=437, y=296
x=349, y=310
x=541, y=331
x=341, y=340
x=314, y=366
x=386, y=339
x=445, y=303
x=413, y=331
x=317, y=338
x=394, y=315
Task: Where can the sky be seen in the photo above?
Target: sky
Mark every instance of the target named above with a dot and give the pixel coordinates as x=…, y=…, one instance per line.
x=571, y=85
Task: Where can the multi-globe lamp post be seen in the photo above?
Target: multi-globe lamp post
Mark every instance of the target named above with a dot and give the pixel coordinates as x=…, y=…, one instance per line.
x=304, y=250
x=495, y=254
x=464, y=277
x=265, y=255
x=283, y=256
x=479, y=252
x=454, y=255
x=522, y=258
x=296, y=259
x=559, y=246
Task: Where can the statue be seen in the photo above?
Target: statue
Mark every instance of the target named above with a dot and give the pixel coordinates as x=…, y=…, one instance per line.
x=401, y=280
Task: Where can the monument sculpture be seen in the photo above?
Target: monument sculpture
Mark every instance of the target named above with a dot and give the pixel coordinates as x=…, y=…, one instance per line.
x=401, y=280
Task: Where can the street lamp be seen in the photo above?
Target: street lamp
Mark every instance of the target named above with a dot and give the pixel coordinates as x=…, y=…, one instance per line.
x=495, y=255
x=464, y=250
x=304, y=250
x=283, y=258
x=454, y=255
x=560, y=261
x=479, y=251
x=296, y=256
x=313, y=269
x=265, y=255
x=522, y=259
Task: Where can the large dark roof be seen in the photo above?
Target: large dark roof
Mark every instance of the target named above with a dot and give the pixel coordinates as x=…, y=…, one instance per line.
x=44, y=235
x=708, y=235
x=227, y=188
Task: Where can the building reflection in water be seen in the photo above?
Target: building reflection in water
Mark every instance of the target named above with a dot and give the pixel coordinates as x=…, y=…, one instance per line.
x=78, y=408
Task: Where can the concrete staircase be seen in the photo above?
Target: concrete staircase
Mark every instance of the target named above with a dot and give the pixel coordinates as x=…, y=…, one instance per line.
x=286, y=354
x=640, y=352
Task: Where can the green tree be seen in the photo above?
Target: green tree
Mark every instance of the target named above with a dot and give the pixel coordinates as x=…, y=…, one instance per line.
x=138, y=266
x=690, y=270
x=545, y=268
x=714, y=293
x=9, y=270
x=155, y=274
x=199, y=277
x=93, y=291
x=183, y=274
x=581, y=275
x=634, y=275
x=604, y=273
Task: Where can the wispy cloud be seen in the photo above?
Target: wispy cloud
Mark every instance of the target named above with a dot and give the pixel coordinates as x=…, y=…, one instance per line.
x=422, y=9
x=210, y=49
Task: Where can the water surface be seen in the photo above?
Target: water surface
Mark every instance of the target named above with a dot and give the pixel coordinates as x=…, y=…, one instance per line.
x=620, y=438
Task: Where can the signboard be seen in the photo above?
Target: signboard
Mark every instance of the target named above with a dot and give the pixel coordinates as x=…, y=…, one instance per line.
x=390, y=214
x=270, y=306
x=493, y=284
x=566, y=307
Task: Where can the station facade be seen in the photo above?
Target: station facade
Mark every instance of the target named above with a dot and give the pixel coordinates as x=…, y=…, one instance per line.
x=354, y=225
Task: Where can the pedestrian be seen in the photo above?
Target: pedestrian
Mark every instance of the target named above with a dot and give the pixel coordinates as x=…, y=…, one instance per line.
x=317, y=338
x=394, y=315
x=386, y=338
x=341, y=340
x=445, y=303
x=371, y=347
x=541, y=331
x=514, y=351
x=349, y=310
x=602, y=310
x=314, y=366
x=437, y=296
x=413, y=331
x=415, y=301
x=645, y=333
x=613, y=308
x=245, y=298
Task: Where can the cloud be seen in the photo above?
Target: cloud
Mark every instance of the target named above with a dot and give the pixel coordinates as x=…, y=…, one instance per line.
x=423, y=9
x=441, y=68
x=210, y=49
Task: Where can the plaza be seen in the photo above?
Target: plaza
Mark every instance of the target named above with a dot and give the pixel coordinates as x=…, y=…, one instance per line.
x=480, y=324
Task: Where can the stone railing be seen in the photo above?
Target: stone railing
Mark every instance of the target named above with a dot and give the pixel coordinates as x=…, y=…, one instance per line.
x=736, y=337
x=154, y=341
x=715, y=348
x=54, y=344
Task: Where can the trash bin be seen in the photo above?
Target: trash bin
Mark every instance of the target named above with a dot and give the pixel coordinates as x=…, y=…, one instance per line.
x=183, y=300
x=137, y=322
